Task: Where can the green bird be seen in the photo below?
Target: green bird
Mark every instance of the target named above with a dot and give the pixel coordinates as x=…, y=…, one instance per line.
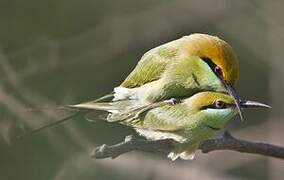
x=181, y=68
x=187, y=122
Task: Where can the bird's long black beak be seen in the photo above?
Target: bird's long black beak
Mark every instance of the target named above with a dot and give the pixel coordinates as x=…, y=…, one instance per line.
x=231, y=90
x=253, y=104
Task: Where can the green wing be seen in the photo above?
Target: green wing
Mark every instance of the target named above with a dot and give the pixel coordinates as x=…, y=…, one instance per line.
x=151, y=66
x=125, y=110
x=166, y=118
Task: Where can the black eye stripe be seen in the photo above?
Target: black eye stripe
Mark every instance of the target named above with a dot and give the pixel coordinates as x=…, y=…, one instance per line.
x=209, y=62
x=214, y=106
x=216, y=69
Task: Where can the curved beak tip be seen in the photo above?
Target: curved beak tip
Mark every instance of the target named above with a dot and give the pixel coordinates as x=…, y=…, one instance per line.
x=235, y=96
x=254, y=104
x=242, y=104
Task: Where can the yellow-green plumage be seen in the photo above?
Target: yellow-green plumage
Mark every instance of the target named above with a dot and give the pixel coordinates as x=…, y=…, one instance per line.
x=188, y=122
x=152, y=63
x=181, y=60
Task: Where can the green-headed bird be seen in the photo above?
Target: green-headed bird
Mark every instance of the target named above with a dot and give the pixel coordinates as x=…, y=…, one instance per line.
x=194, y=63
x=187, y=122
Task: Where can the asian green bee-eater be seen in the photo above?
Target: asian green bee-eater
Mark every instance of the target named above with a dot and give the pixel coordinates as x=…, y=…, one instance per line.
x=188, y=122
x=180, y=68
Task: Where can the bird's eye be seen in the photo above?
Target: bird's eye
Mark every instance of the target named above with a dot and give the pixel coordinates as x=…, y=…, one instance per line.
x=219, y=104
x=218, y=70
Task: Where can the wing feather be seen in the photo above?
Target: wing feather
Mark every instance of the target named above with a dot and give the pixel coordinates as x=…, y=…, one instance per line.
x=151, y=65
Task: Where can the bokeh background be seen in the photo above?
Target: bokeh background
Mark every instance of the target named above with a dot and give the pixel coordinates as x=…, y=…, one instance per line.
x=59, y=52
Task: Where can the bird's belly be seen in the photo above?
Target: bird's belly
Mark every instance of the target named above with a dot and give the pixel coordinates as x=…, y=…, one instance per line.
x=159, y=135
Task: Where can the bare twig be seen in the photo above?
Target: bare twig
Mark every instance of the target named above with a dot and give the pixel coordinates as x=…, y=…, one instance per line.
x=130, y=144
x=226, y=142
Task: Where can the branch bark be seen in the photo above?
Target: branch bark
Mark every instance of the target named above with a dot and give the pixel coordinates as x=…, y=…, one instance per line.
x=226, y=142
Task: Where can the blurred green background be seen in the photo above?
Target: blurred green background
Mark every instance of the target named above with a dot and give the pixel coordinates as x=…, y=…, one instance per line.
x=59, y=52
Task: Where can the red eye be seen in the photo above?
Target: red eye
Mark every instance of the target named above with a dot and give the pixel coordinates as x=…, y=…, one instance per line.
x=218, y=70
x=219, y=104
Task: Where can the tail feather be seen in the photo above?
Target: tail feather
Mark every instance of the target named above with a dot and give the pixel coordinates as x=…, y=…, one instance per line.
x=53, y=124
x=93, y=116
x=95, y=106
x=80, y=110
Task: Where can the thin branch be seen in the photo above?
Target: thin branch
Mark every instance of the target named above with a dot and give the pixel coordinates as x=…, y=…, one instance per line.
x=226, y=142
x=131, y=144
